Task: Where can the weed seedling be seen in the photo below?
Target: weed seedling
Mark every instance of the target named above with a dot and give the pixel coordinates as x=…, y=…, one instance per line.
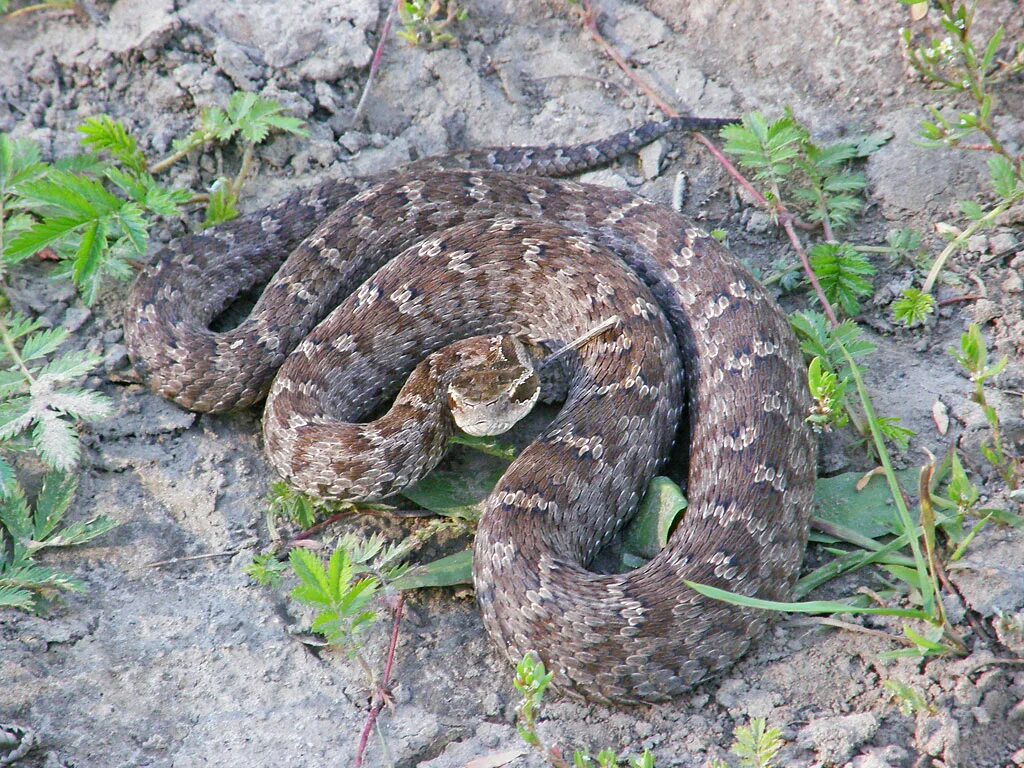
x=427, y=22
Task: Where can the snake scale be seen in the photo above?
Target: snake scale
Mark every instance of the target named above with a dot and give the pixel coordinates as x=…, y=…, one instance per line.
x=410, y=275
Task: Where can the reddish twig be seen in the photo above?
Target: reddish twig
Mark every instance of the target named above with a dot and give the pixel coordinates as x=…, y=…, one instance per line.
x=357, y=116
x=956, y=299
x=787, y=220
x=382, y=695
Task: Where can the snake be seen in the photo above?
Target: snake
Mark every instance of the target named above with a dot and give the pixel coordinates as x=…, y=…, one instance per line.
x=395, y=310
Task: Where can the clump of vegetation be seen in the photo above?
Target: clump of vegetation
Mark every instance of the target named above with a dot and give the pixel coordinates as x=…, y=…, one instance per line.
x=755, y=745
x=963, y=68
x=531, y=681
x=428, y=23
x=27, y=530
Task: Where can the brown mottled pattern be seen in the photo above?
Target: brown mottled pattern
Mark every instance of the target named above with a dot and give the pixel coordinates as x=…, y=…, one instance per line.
x=427, y=256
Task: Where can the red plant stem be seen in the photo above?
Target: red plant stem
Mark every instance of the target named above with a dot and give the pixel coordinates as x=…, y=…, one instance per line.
x=955, y=299
x=382, y=694
x=357, y=116
x=786, y=219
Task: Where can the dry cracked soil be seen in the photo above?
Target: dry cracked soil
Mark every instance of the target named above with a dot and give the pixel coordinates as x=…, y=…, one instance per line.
x=190, y=664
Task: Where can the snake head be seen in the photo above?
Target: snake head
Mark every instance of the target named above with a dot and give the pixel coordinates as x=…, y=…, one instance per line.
x=493, y=385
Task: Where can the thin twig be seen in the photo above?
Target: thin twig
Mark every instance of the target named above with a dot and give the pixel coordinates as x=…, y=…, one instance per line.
x=956, y=299
x=382, y=694
x=851, y=627
x=190, y=558
x=357, y=117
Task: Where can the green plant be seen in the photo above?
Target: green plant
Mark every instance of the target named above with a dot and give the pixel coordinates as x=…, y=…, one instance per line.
x=531, y=681
x=26, y=531
x=427, y=22
x=341, y=600
x=973, y=357
x=39, y=394
x=93, y=214
x=94, y=211
x=908, y=699
x=266, y=570
x=843, y=272
x=754, y=744
x=963, y=68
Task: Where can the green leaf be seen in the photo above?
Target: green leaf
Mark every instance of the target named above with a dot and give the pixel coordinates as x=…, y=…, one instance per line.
x=15, y=597
x=42, y=234
x=647, y=534
x=55, y=442
x=810, y=606
x=88, y=258
x=223, y=204
x=1004, y=177
x=868, y=511
x=971, y=210
x=7, y=479
x=101, y=134
x=16, y=516
x=842, y=273
x=445, y=572
x=315, y=588
x=70, y=366
x=52, y=503
x=43, y=343
x=454, y=494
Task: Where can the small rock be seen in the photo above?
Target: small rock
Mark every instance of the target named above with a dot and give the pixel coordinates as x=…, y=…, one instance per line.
x=758, y=222
x=327, y=97
x=353, y=141
x=939, y=736
x=651, y=158
x=115, y=358
x=1012, y=284
x=236, y=64
x=75, y=318
x=978, y=244
x=1001, y=243
x=835, y=738
x=605, y=178
x=1018, y=757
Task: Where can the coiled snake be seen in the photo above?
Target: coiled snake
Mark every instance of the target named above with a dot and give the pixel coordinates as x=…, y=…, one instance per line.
x=370, y=285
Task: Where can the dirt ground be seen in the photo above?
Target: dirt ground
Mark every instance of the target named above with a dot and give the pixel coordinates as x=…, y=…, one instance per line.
x=190, y=664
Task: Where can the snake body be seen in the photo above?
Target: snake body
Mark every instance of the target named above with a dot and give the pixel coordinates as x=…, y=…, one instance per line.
x=366, y=282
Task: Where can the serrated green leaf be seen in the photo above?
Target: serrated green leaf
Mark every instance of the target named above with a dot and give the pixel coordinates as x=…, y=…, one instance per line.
x=101, y=134
x=69, y=367
x=842, y=273
x=53, y=502
x=88, y=256
x=55, y=441
x=15, y=416
x=14, y=597
x=310, y=571
x=85, y=405
x=971, y=210
x=81, y=532
x=16, y=516
x=42, y=343
x=222, y=205
x=40, y=235
x=1004, y=176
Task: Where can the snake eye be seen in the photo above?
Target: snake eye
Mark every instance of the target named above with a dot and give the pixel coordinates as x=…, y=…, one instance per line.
x=527, y=391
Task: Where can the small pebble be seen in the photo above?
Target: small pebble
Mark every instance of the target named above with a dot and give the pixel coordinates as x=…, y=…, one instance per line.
x=75, y=318
x=1001, y=243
